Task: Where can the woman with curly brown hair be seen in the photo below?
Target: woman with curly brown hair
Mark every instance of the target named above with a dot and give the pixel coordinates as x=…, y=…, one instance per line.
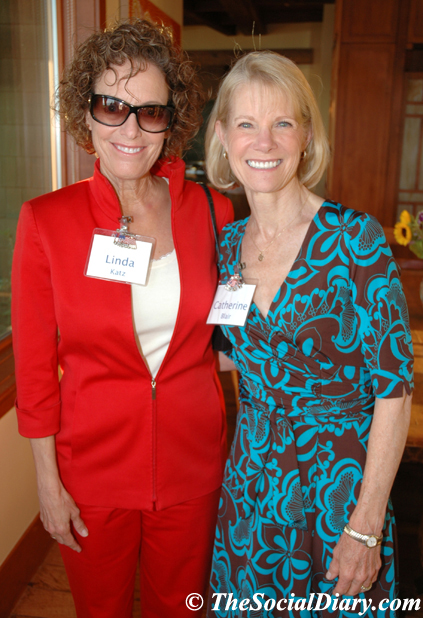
x=129, y=446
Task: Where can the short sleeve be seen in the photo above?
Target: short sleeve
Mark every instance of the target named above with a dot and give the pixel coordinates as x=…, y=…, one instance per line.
x=381, y=310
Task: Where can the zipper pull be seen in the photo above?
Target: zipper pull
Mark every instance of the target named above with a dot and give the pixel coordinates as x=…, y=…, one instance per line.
x=153, y=387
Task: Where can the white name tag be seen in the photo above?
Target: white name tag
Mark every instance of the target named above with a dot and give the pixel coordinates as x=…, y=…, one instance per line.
x=118, y=257
x=231, y=307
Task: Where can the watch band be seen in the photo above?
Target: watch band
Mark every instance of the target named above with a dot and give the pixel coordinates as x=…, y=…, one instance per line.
x=369, y=540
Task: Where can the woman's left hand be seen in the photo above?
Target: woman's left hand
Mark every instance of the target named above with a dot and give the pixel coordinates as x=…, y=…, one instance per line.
x=354, y=564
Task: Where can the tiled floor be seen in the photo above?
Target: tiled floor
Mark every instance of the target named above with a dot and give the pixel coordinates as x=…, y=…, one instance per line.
x=48, y=596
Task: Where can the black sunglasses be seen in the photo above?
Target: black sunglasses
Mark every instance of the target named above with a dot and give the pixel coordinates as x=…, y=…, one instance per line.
x=114, y=112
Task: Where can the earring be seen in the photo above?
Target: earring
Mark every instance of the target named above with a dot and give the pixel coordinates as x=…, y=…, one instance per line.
x=225, y=155
x=303, y=155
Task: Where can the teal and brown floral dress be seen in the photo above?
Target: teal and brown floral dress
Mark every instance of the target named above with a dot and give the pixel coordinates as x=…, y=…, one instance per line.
x=336, y=336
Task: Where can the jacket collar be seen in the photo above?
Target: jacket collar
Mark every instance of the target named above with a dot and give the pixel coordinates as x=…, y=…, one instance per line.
x=107, y=200
x=174, y=170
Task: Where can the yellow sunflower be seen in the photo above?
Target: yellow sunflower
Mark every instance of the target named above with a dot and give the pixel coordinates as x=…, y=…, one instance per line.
x=405, y=217
x=402, y=232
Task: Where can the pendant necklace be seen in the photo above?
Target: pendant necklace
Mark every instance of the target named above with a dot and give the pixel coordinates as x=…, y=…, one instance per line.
x=261, y=251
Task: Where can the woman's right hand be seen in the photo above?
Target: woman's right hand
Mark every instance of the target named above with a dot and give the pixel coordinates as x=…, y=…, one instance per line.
x=57, y=507
x=57, y=511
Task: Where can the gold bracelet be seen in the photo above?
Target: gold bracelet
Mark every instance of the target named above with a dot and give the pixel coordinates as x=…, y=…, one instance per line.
x=369, y=540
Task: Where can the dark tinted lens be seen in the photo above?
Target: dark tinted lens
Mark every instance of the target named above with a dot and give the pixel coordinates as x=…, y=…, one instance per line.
x=154, y=118
x=109, y=111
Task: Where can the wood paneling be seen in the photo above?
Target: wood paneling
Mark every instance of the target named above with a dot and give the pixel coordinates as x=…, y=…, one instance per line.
x=364, y=93
x=21, y=564
x=370, y=22
x=415, y=30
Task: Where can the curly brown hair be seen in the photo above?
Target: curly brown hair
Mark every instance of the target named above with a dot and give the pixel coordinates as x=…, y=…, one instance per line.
x=140, y=42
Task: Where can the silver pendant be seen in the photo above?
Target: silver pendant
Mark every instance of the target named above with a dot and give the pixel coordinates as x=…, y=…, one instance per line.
x=234, y=283
x=260, y=257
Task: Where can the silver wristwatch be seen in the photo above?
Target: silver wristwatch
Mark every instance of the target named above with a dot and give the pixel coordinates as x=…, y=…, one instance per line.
x=369, y=540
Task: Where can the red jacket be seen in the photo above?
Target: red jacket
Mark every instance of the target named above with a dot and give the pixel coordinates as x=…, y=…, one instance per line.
x=117, y=447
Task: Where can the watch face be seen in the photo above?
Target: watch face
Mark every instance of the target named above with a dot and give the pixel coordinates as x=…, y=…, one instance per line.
x=371, y=542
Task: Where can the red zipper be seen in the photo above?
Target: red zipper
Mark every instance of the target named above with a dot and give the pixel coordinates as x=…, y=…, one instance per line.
x=154, y=437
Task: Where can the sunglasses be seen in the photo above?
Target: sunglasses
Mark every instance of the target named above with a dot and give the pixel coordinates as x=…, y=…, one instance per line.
x=114, y=112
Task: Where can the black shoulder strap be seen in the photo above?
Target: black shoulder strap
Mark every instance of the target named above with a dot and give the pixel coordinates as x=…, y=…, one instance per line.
x=219, y=342
x=212, y=213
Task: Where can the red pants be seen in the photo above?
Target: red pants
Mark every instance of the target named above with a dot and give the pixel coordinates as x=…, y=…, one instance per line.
x=174, y=546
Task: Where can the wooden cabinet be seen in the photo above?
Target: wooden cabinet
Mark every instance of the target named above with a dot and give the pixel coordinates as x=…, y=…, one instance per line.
x=362, y=141
x=367, y=103
x=415, y=29
x=373, y=21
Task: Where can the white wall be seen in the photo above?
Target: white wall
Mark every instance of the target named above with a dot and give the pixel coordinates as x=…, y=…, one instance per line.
x=279, y=35
x=18, y=493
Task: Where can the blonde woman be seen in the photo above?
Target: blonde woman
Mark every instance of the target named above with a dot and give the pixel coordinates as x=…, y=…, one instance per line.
x=325, y=359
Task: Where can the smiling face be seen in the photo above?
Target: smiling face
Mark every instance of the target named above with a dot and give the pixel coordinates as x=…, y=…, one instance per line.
x=127, y=153
x=263, y=138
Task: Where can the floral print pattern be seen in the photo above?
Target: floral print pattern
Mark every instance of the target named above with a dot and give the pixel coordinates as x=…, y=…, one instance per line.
x=336, y=336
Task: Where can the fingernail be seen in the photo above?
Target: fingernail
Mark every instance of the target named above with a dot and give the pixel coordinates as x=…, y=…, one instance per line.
x=329, y=575
x=84, y=532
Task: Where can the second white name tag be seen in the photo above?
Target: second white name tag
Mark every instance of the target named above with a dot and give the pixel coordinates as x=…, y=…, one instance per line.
x=113, y=260
x=231, y=307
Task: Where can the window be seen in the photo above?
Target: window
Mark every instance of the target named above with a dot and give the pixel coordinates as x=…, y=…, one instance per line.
x=411, y=179
x=28, y=144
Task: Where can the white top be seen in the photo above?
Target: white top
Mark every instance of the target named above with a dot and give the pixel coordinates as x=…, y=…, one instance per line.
x=155, y=307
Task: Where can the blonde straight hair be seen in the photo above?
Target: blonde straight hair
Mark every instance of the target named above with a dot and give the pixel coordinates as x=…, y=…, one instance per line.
x=282, y=75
